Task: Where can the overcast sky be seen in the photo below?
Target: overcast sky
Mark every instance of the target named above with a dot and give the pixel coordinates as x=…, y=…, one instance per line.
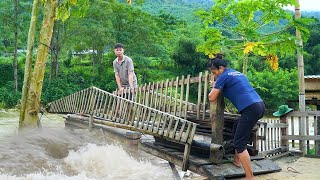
x=305, y=5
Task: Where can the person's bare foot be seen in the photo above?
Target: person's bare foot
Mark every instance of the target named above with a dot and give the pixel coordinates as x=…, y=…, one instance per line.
x=237, y=164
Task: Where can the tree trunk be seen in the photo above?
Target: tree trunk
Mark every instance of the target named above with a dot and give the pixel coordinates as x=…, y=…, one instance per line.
x=28, y=64
x=55, y=51
x=33, y=103
x=51, y=56
x=245, y=65
x=15, y=61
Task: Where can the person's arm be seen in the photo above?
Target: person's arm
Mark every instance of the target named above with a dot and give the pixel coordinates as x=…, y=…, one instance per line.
x=116, y=74
x=131, y=75
x=213, y=95
x=130, y=72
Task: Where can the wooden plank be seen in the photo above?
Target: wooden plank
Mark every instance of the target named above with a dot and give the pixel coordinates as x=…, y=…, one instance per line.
x=306, y=113
x=193, y=131
x=173, y=155
x=164, y=107
x=307, y=133
x=109, y=108
x=164, y=123
x=187, y=96
x=171, y=94
x=174, y=129
x=143, y=100
x=169, y=126
x=228, y=170
x=160, y=95
x=152, y=95
x=123, y=116
x=271, y=151
x=179, y=136
x=272, y=135
x=265, y=135
x=128, y=117
x=301, y=137
x=83, y=95
x=199, y=96
x=143, y=118
x=284, y=144
x=181, y=96
x=300, y=132
x=316, y=132
x=113, y=108
x=156, y=95
x=276, y=125
x=139, y=112
x=292, y=132
x=76, y=102
x=158, y=122
x=102, y=99
x=185, y=159
x=104, y=110
x=205, y=95
x=175, y=97
x=185, y=135
x=153, y=121
x=147, y=120
x=134, y=115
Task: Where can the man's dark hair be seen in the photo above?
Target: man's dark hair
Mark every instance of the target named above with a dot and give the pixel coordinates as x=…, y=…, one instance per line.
x=217, y=61
x=118, y=45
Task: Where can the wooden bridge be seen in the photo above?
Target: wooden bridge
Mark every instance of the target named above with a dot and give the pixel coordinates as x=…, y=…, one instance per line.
x=176, y=112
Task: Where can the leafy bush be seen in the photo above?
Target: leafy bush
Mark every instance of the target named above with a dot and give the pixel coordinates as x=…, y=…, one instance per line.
x=9, y=98
x=58, y=88
x=275, y=87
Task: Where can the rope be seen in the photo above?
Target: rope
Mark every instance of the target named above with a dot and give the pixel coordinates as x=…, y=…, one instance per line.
x=146, y=136
x=291, y=169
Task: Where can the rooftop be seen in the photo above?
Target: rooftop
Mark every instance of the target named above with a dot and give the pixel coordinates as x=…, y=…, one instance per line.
x=312, y=77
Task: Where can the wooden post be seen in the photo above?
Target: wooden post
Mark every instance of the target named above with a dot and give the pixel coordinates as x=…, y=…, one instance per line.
x=217, y=120
x=90, y=121
x=284, y=132
x=302, y=101
x=317, y=128
x=187, y=148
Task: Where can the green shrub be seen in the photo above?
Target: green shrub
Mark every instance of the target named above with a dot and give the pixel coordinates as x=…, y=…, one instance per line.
x=275, y=87
x=9, y=98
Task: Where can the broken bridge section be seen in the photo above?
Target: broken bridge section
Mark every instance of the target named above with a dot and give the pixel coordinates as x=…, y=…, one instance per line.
x=189, y=131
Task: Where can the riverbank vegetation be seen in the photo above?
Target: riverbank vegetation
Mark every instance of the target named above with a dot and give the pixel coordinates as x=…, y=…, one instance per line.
x=161, y=38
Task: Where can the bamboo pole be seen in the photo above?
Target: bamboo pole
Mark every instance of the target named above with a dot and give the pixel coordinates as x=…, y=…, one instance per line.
x=302, y=102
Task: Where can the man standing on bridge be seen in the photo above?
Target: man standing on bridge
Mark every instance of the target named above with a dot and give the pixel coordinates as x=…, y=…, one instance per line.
x=123, y=69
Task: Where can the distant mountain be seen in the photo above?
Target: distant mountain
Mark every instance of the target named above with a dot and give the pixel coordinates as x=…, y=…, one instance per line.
x=182, y=9
x=315, y=14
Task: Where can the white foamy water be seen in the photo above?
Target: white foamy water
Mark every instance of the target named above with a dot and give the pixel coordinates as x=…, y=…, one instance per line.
x=111, y=162
x=54, y=153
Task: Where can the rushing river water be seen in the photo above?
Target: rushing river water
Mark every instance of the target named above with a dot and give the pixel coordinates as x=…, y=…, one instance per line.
x=54, y=153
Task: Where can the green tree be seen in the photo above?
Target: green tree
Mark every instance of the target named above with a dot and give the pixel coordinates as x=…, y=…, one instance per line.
x=33, y=86
x=187, y=59
x=275, y=87
x=245, y=21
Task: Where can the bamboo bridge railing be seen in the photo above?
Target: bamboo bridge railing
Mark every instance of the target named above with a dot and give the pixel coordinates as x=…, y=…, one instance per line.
x=109, y=109
x=186, y=98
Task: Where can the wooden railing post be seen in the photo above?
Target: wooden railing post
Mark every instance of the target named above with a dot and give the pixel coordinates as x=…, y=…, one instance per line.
x=317, y=132
x=217, y=120
x=90, y=121
x=284, y=132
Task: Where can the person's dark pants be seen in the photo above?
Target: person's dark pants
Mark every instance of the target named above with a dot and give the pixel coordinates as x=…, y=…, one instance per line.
x=243, y=126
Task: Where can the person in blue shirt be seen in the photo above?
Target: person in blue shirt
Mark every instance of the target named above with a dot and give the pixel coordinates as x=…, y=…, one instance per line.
x=235, y=86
